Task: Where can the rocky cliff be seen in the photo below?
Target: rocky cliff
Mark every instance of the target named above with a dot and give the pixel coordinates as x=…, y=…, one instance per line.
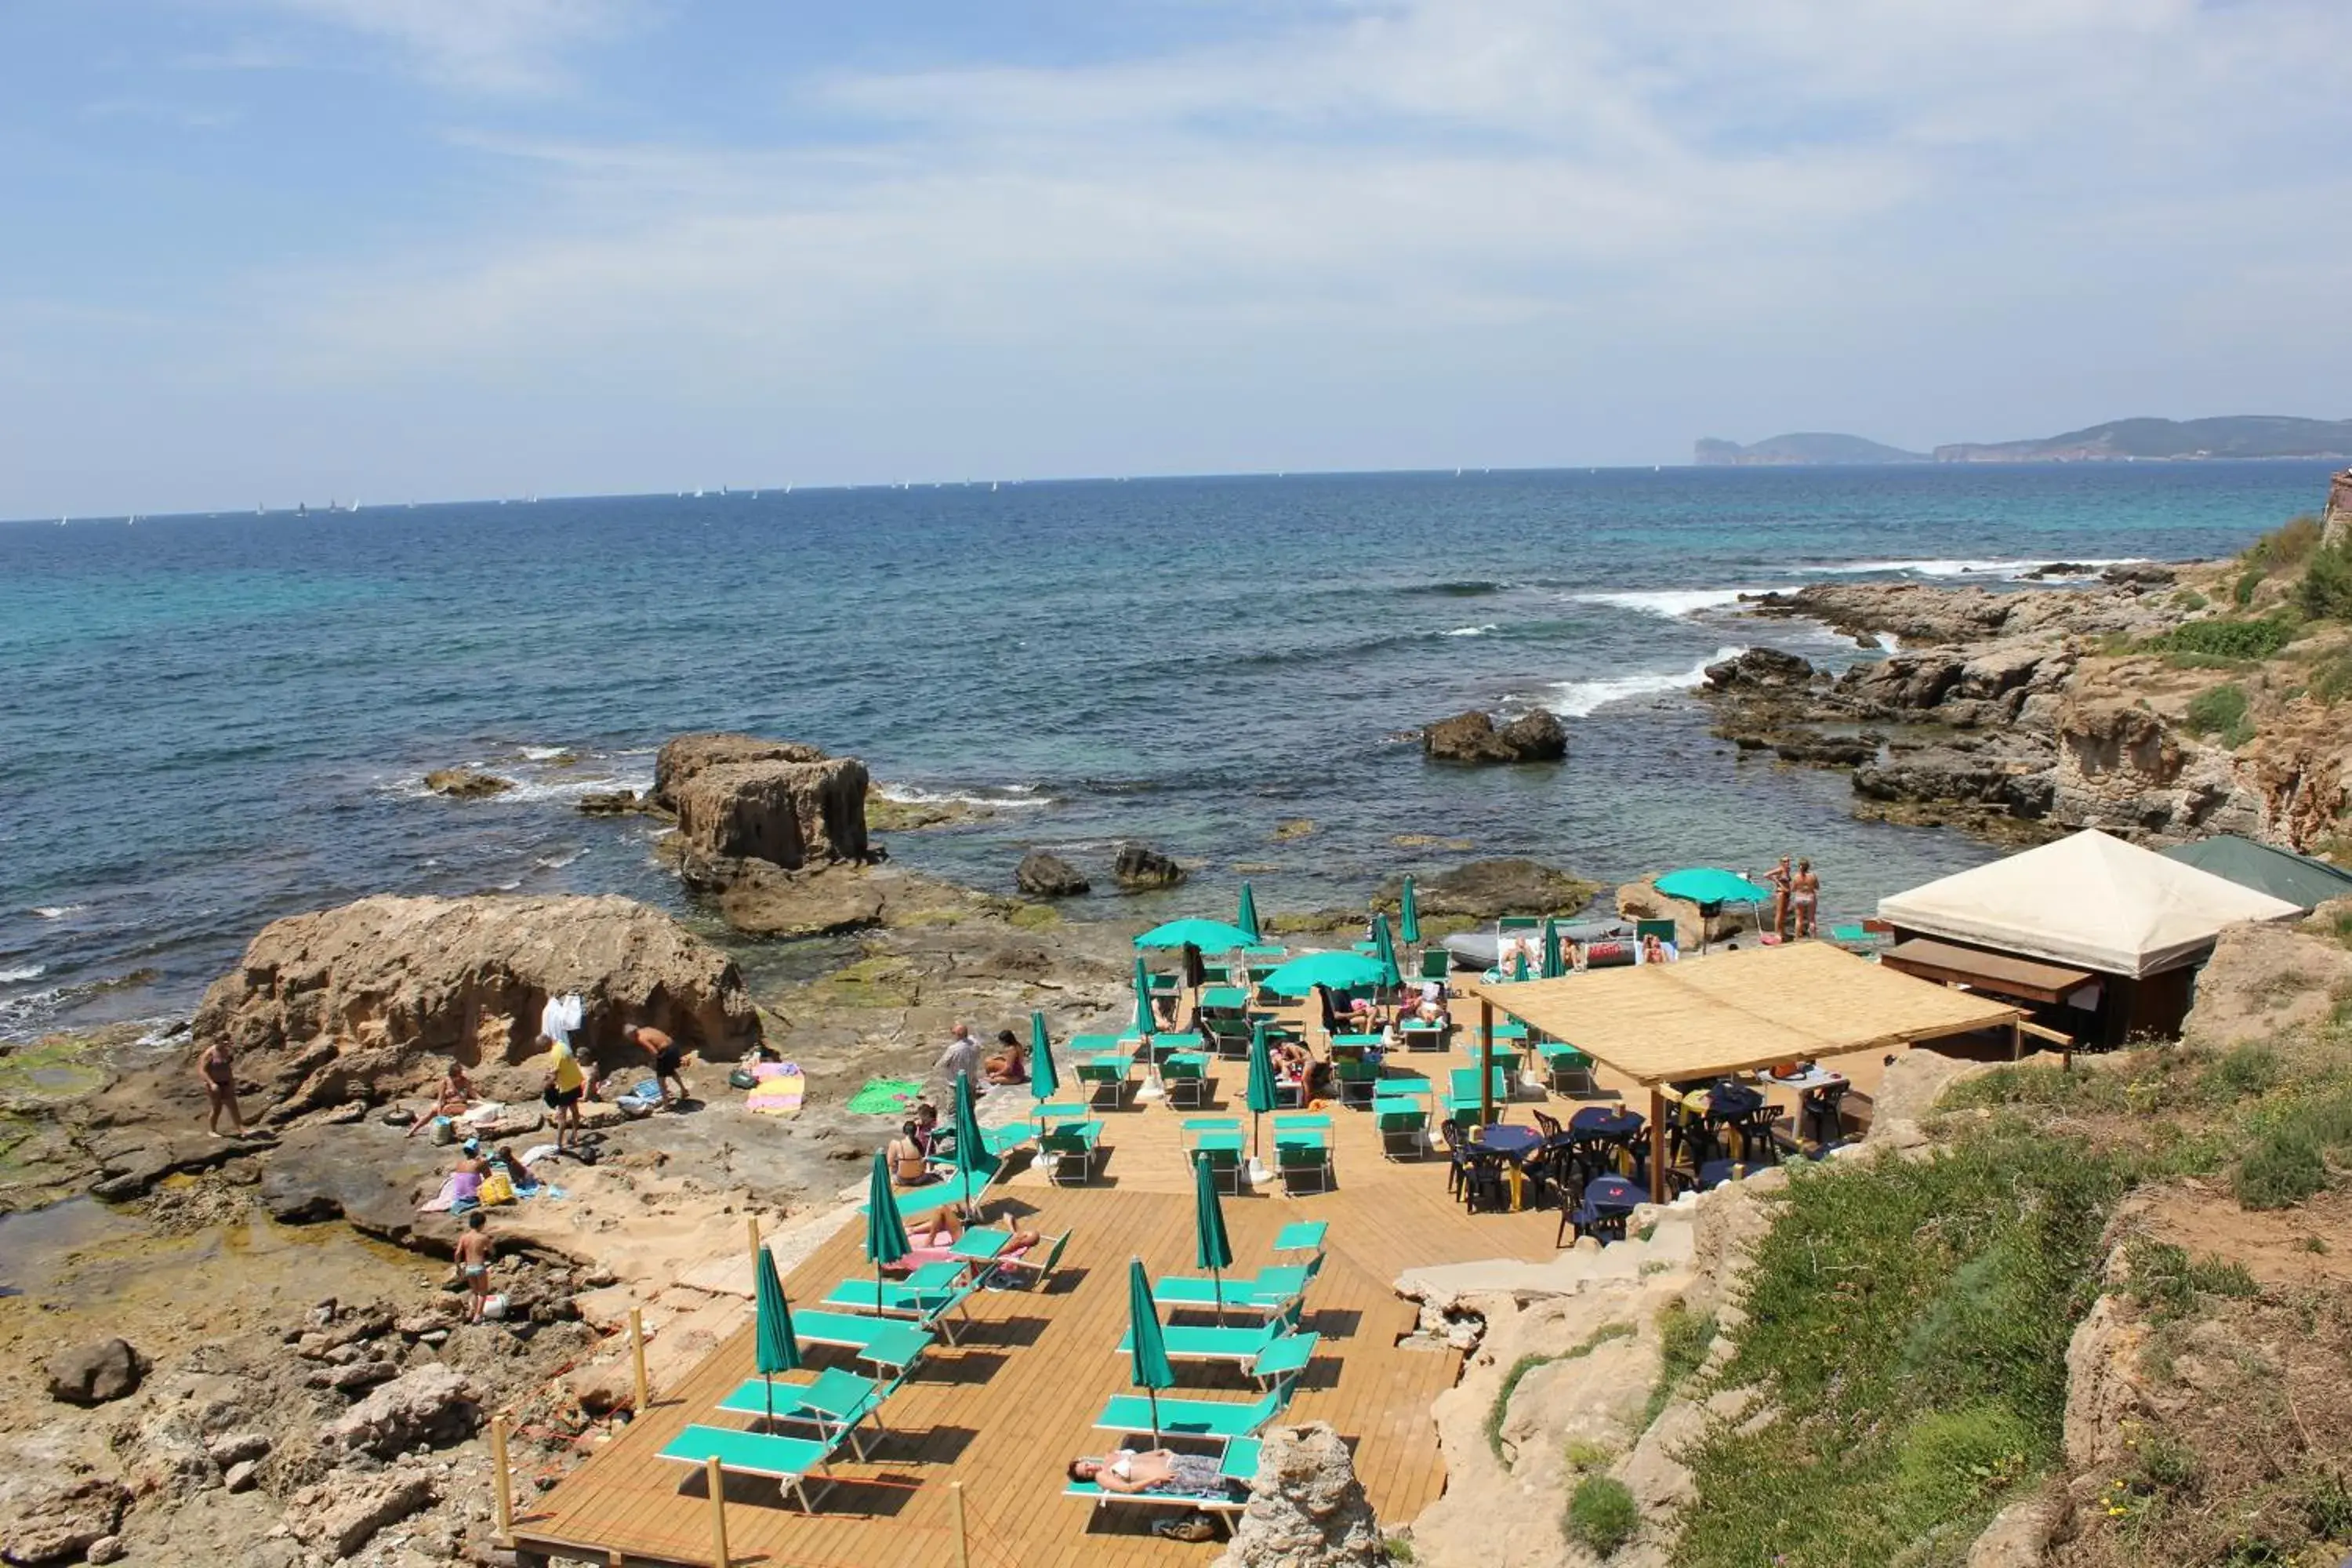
x=2336, y=523
x=352, y=1003
x=2028, y=713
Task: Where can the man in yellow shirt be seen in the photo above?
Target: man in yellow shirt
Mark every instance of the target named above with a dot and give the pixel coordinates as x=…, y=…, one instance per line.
x=565, y=1084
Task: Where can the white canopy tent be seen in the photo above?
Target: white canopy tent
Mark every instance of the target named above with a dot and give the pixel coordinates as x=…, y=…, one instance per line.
x=2092, y=900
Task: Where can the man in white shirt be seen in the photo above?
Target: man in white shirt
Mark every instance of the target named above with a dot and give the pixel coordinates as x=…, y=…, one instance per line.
x=963, y=1056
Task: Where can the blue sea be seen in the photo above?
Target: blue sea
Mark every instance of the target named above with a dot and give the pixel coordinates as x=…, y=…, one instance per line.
x=207, y=723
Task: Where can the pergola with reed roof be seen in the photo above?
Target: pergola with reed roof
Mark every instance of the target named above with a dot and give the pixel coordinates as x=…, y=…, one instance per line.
x=1732, y=1012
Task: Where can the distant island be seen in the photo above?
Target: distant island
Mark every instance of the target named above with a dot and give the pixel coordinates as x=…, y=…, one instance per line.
x=2235, y=436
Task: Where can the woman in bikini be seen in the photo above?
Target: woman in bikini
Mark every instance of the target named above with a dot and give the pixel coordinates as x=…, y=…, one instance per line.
x=1805, y=898
x=1162, y=1472
x=451, y=1099
x=218, y=1071
x=908, y=1166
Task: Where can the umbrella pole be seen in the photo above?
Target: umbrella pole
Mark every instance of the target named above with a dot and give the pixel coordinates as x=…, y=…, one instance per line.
x=1217, y=1285
x=1154, y=1395
x=769, y=1379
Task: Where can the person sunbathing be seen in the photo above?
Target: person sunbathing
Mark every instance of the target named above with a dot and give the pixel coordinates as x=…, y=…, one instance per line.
x=1162, y=1471
x=452, y=1099
x=1009, y=1063
x=909, y=1167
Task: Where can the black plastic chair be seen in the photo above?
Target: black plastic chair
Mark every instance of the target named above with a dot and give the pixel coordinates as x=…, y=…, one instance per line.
x=1485, y=1185
x=1820, y=1118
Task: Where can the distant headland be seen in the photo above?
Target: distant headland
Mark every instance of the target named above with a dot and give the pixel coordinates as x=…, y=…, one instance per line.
x=2235, y=436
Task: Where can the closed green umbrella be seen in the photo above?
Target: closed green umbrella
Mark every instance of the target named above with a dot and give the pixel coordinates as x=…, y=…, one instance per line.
x=1147, y=1366
x=1519, y=964
x=1212, y=1249
x=1384, y=947
x=1246, y=917
x=1409, y=917
x=1145, y=1021
x=774, y=1347
x=1264, y=1091
x=885, y=1230
x=1044, y=1078
x=971, y=1155
x=1553, y=968
x=1340, y=971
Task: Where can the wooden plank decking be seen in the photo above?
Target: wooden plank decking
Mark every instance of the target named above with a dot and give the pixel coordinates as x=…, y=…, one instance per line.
x=1004, y=1413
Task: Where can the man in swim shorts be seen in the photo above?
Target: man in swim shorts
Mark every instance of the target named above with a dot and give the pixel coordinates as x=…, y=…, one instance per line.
x=667, y=1058
x=474, y=1264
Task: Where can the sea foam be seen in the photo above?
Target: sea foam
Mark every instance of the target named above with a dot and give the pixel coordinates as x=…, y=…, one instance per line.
x=1580, y=699
x=1673, y=604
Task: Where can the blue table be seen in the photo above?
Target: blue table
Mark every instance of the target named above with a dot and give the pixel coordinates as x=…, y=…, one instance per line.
x=1511, y=1142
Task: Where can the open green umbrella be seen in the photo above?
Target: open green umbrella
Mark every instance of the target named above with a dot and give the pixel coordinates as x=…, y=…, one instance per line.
x=1209, y=936
x=886, y=1229
x=1385, y=952
x=1212, y=1249
x=1707, y=885
x=774, y=1347
x=1519, y=964
x=1553, y=966
x=1246, y=916
x=971, y=1155
x=1044, y=1078
x=1264, y=1091
x=1340, y=971
x=1145, y=1020
x=1147, y=1366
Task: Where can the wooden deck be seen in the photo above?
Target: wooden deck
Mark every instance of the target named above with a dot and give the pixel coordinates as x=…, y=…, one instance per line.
x=1006, y=1412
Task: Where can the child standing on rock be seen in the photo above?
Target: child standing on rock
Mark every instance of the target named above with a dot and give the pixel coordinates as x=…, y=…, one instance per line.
x=474, y=1265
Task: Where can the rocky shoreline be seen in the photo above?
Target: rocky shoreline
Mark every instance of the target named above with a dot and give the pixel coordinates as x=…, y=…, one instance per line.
x=2024, y=715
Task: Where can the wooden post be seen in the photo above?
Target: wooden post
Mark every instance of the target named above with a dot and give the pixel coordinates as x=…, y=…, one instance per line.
x=1486, y=1059
x=751, y=1228
x=1657, y=1145
x=717, y=1478
x=955, y=1498
x=505, y=1478
x=637, y=1355
x=2017, y=1039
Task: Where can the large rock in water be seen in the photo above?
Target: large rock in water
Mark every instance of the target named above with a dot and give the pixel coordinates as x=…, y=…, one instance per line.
x=737, y=798
x=1482, y=889
x=1306, y=1508
x=1533, y=737
x=1041, y=874
x=346, y=1004
x=1140, y=868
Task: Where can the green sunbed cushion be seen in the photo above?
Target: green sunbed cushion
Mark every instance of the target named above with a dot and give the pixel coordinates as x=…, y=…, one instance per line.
x=753, y=1453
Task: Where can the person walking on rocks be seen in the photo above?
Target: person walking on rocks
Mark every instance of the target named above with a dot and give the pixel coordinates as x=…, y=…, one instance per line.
x=565, y=1084
x=474, y=1265
x=218, y=1071
x=667, y=1058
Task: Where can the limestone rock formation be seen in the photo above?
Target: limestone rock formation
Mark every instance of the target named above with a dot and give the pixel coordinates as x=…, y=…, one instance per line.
x=2265, y=978
x=759, y=897
x=1642, y=901
x=1043, y=875
x=787, y=813
x=685, y=755
x=1140, y=868
x=96, y=1373
x=1473, y=737
x=465, y=784
x=1306, y=1508
x=348, y=1003
x=59, y=1521
x=429, y=1405
x=343, y=1515
x=1482, y=889
x=613, y=803
x=2336, y=522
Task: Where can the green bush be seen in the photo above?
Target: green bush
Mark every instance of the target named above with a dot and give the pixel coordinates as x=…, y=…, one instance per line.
x=2245, y=1073
x=2290, y=542
x=1602, y=1515
x=1883, y=1293
x=2326, y=591
x=2058, y=1087
x=2168, y=1282
x=2331, y=678
x=2288, y=1156
x=2228, y=638
x=2242, y=592
x=2189, y=599
x=1950, y=1461
x=2220, y=710
x=1684, y=1337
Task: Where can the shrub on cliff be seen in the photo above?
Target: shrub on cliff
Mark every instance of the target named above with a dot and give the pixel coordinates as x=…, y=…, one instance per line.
x=2226, y=638
x=2326, y=591
x=2287, y=545
x=1602, y=1515
x=2221, y=712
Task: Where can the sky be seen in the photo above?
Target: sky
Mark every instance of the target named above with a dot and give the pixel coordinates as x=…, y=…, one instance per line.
x=263, y=251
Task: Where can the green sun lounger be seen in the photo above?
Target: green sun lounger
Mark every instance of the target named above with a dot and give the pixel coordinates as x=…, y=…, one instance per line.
x=885, y=1342
x=1239, y=1466
x=1239, y=1346
x=1220, y=1419
x=1285, y=1357
x=836, y=1403
x=927, y=1305
x=1302, y=1236
x=788, y=1460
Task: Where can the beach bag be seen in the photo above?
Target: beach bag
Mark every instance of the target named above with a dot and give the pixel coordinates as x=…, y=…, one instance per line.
x=497, y=1189
x=445, y=1132
x=743, y=1078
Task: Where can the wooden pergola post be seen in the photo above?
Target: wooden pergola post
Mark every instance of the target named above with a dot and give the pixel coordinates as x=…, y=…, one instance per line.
x=505, y=1478
x=963, y=1549
x=1486, y=1060
x=637, y=1356
x=1657, y=1144
x=717, y=1478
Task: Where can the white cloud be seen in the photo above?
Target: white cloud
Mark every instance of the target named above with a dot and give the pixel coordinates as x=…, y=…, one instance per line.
x=497, y=47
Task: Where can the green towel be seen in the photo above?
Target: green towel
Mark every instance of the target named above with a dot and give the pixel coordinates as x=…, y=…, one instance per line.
x=886, y=1096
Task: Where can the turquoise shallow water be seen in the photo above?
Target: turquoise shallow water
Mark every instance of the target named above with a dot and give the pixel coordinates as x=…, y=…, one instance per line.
x=207, y=723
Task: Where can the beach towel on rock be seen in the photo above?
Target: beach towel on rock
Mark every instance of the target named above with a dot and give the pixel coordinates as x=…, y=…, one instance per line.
x=777, y=1089
x=886, y=1096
